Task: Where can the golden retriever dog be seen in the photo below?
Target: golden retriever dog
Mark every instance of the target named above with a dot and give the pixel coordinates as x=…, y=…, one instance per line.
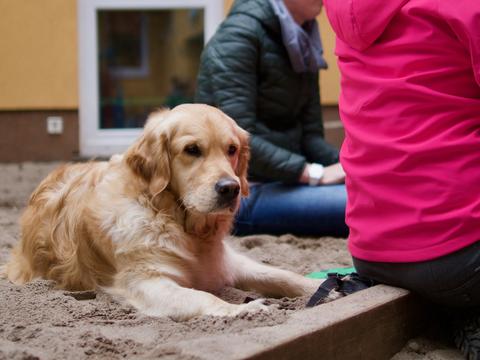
x=149, y=225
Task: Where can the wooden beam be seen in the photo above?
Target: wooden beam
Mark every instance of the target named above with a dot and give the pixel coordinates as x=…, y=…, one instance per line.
x=371, y=324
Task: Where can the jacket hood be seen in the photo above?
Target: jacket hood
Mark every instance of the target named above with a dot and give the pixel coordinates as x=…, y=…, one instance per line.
x=360, y=22
x=261, y=10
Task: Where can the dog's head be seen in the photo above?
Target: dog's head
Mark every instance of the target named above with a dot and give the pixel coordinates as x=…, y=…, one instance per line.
x=198, y=153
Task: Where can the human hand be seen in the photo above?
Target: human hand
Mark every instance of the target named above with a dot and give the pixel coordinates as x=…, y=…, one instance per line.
x=333, y=174
x=305, y=177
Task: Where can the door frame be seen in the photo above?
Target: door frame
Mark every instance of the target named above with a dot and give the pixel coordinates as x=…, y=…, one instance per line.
x=105, y=142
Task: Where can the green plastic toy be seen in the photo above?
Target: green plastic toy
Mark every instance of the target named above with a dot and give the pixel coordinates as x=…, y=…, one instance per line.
x=323, y=274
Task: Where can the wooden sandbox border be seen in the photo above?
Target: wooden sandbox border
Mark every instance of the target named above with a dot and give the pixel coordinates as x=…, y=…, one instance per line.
x=371, y=324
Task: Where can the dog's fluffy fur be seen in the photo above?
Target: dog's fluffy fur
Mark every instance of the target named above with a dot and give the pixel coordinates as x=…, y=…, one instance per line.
x=149, y=225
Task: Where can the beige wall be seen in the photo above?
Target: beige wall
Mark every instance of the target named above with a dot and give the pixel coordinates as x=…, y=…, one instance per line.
x=38, y=63
x=330, y=78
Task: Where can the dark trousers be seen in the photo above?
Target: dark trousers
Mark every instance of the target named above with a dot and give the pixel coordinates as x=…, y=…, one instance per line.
x=452, y=280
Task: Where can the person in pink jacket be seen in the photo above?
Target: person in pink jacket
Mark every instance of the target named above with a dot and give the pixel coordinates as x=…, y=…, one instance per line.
x=410, y=104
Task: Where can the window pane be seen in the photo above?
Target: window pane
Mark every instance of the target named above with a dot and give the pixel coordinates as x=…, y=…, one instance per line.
x=147, y=59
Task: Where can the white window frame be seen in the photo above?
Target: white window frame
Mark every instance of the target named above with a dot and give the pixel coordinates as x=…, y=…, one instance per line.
x=143, y=70
x=95, y=141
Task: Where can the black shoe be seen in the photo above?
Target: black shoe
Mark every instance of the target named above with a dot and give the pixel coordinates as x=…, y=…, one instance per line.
x=337, y=286
x=353, y=282
x=467, y=337
x=323, y=293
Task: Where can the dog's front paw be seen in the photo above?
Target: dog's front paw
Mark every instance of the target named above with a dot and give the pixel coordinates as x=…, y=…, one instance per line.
x=234, y=310
x=251, y=307
x=254, y=306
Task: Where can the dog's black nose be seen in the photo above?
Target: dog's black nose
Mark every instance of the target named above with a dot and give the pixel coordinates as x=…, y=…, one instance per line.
x=227, y=188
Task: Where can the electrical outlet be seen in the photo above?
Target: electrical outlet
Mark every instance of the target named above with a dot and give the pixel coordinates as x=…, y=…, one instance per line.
x=54, y=125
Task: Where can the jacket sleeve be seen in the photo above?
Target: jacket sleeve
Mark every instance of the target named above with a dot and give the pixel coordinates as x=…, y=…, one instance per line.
x=463, y=17
x=314, y=145
x=229, y=66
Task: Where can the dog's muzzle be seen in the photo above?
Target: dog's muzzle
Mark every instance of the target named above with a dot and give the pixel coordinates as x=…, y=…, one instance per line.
x=227, y=190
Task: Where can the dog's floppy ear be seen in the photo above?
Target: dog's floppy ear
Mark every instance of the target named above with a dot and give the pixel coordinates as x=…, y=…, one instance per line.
x=243, y=159
x=149, y=157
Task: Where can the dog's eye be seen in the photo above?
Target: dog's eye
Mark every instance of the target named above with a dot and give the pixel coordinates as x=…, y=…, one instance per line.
x=232, y=150
x=193, y=150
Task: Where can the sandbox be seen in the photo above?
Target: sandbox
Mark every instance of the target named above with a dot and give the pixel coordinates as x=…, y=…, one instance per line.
x=39, y=321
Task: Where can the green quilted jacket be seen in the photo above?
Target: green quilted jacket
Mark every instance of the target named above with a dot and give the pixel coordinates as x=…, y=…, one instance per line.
x=245, y=71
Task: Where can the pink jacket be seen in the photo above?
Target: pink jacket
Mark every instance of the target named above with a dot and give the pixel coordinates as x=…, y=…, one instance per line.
x=410, y=103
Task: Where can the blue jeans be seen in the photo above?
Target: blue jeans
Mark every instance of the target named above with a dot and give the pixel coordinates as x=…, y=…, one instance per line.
x=275, y=208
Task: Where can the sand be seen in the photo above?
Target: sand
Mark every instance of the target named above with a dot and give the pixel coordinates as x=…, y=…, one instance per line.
x=38, y=321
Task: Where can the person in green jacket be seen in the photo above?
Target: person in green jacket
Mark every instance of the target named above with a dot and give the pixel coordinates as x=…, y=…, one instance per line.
x=261, y=68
